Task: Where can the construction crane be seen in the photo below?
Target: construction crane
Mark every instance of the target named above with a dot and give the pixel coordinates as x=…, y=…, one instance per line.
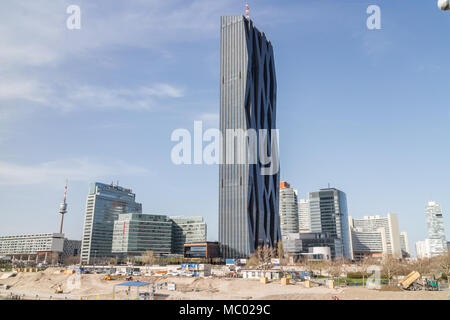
x=444, y=5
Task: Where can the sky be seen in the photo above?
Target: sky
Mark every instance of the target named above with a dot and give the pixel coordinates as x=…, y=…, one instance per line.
x=366, y=111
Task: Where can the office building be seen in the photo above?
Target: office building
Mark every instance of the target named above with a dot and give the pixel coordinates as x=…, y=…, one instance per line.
x=248, y=190
x=201, y=250
x=375, y=236
x=423, y=249
x=368, y=244
x=304, y=219
x=136, y=233
x=292, y=244
x=404, y=244
x=288, y=209
x=187, y=230
x=38, y=247
x=312, y=240
x=436, y=233
x=328, y=214
x=104, y=204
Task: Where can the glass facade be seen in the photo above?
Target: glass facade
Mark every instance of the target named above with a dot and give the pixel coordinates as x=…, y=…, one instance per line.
x=104, y=204
x=328, y=214
x=248, y=200
x=187, y=230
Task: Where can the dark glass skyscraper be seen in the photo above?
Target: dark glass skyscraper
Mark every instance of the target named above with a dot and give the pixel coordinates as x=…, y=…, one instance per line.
x=248, y=198
x=328, y=214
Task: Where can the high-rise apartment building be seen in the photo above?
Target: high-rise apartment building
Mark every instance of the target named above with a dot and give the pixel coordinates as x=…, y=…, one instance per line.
x=328, y=214
x=436, y=233
x=304, y=219
x=404, y=244
x=187, y=230
x=136, y=233
x=423, y=249
x=104, y=204
x=248, y=191
x=288, y=209
x=375, y=236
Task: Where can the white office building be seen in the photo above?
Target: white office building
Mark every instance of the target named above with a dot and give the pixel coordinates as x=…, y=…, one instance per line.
x=304, y=219
x=404, y=244
x=423, y=249
x=436, y=233
x=288, y=209
x=375, y=236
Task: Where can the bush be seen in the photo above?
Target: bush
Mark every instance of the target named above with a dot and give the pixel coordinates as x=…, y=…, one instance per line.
x=357, y=275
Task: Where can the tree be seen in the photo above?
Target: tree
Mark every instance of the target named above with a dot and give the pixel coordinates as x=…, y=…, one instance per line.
x=280, y=251
x=441, y=265
x=252, y=262
x=148, y=258
x=391, y=267
x=112, y=261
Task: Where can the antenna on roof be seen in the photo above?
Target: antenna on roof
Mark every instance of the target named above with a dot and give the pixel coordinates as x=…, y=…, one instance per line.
x=247, y=11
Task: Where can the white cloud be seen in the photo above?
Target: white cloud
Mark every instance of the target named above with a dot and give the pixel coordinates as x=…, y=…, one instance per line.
x=210, y=117
x=67, y=97
x=82, y=169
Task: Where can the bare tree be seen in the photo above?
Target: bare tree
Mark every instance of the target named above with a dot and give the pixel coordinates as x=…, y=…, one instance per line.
x=391, y=267
x=441, y=265
x=148, y=257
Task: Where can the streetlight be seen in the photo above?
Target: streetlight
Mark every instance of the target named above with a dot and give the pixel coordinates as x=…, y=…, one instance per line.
x=444, y=4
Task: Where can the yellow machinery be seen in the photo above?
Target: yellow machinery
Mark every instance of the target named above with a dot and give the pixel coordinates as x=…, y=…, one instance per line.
x=407, y=281
x=58, y=289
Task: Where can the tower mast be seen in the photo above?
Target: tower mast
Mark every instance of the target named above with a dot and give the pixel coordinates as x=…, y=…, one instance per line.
x=63, y=209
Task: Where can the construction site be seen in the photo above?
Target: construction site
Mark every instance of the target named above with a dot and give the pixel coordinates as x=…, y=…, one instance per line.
x=203, y=282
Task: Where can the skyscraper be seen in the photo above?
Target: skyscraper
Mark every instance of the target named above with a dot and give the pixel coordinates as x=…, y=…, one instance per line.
x=328, y=213
x=288, y=209
x=248, y=196
x=404, y=244
x=104, y=204
x=436, y=233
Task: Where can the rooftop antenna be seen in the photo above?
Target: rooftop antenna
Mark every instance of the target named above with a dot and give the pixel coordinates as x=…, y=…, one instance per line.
x=247, y=11
x=63, y=209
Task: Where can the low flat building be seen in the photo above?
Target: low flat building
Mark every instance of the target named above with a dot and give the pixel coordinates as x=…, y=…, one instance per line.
x=38, y=247
x=201, y=250
x=257, y=274
x=322, y=239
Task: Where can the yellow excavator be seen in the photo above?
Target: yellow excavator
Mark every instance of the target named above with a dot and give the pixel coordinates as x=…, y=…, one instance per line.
x=109, y=277
x=58, y=288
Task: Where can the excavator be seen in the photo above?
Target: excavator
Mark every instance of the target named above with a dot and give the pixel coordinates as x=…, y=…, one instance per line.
x=58, y=288
x=414, y=282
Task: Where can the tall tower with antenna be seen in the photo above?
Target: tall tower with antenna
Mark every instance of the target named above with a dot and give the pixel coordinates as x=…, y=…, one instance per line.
x=63, y=209
x=247, y=11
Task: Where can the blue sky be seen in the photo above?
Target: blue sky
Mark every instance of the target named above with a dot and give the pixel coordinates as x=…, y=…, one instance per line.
x=364, y=110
